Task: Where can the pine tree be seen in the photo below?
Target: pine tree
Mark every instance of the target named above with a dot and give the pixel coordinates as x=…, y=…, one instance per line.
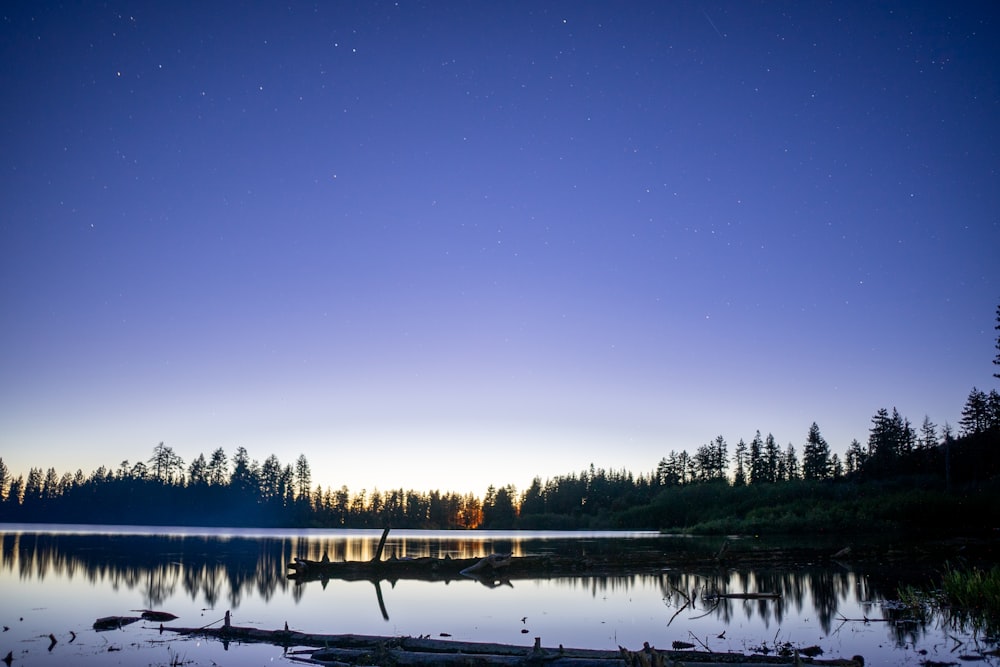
x=740, y=476
x=928, y=435
x=303, y=478
x=772, y=457
x=855, y=458
x=791, y=463
x=816, y=455
x=975, y=415
x=217, y=467
x=757, y=460
x=836, y=467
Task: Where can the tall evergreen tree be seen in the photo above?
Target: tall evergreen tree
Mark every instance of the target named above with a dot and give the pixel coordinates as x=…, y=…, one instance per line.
x=243, y=480
x=975, y=414
x=928, y=435
x=740, y=475
x=218, y=468
x=884, y=438
x=303, y=477
x=198, y=471
x=791, y=463
x=757, y=473
x=836, y=467
x=816, y=455
x=772, y=455
x=15, y=494
x=855, y=458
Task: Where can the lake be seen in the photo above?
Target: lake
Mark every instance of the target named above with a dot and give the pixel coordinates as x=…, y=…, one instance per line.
x=57, y=580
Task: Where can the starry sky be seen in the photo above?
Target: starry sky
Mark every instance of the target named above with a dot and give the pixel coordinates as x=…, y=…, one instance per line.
x=444, y=245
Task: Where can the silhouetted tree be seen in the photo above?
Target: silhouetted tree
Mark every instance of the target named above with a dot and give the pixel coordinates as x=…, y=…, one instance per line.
x=4, y=480
x=711, y=461
x=165, y=464
x=975, y=414
x=270, y=481
x=740, y=475
x=217, y=468
x=772, y=456
x=816, y=455
x=791, y=463
x=758, y=465
x=303, y=477
x=198, y=471
x=928, y=439
x=498, y=507
x=855, y=457
x=243, y=480
x=836, y=467
x=886, y=439
x=15, y=494
x=532, y=500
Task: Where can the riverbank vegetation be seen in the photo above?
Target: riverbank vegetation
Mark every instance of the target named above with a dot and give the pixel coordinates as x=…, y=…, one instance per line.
x=969, y=597
x=924, y=480
x=899, y=480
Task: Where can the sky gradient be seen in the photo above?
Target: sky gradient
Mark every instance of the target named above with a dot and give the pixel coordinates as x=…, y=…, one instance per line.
x=443, y=245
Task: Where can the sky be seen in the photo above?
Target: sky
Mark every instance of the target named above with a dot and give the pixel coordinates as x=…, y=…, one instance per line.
x=445, y=245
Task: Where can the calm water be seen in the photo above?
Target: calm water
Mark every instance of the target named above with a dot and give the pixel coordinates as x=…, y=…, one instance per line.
x=59, y=580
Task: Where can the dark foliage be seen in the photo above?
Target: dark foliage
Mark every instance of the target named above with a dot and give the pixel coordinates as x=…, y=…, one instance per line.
x=898, y=481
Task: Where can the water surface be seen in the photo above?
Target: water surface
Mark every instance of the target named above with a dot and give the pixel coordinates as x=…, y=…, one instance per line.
x=59, y=579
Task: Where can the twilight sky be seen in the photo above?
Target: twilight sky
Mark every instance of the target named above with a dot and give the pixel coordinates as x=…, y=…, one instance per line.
x=441, y=245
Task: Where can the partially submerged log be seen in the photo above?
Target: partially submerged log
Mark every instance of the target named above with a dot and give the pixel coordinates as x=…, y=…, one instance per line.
x=504, y=566
x=160, y=616
x=114, y=622
x=493, y=562
x=365, y=649
x=484, y=569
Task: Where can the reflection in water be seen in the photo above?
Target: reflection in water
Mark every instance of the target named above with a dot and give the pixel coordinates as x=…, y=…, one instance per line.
x=219, y=571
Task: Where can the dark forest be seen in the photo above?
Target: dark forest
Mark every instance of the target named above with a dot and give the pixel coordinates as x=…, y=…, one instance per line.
x=923, y=479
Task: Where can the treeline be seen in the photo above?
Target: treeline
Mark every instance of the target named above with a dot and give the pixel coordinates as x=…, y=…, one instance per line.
x=760, y=485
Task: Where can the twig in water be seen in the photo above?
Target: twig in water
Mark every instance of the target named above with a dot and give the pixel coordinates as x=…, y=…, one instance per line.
x=704, y=645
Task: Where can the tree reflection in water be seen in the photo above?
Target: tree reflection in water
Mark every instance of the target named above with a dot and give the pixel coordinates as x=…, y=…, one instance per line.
x=221, y=570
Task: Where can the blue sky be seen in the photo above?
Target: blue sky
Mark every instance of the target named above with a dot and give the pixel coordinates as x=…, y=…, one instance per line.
x=445, y=245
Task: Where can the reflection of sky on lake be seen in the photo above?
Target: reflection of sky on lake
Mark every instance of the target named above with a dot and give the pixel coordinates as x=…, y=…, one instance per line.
x=63, y=582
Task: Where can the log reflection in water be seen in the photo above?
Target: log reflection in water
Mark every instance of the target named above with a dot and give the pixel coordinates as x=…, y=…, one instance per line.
x=224, y=569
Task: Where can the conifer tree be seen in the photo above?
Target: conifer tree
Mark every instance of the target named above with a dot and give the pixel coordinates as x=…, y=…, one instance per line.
x=757, y=460
x=975, y=415
x=772, y=457
x=816, y=455
x=791, y=463
x=740, y=476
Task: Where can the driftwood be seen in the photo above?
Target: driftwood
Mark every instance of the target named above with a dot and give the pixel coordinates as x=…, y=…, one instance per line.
x=493, y=562
x=114, y=622
x=117, y=622
x=364, y=649
x=160, y=616
x=449, y=569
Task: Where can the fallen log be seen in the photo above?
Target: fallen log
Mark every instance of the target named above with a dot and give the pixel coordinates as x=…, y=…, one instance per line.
x=419, y=652
x=493, y=561
x=161, y=616
x=451, y=569
x=114, y=622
